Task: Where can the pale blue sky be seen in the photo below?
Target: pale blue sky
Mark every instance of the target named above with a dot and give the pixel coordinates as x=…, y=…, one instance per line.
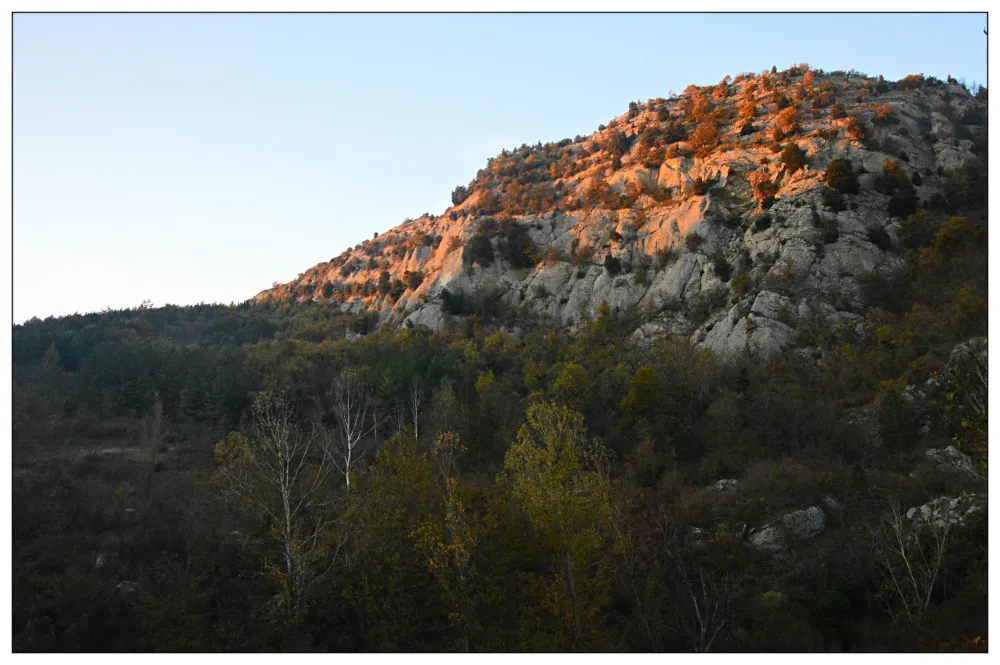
x=198, y=158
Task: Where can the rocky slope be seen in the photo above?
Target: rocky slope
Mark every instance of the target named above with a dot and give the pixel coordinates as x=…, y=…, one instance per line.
x=707, y=215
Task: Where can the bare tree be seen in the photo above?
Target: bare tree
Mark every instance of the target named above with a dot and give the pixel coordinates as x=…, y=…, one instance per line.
x=416, y=399
x=399, y=418
x=353, y=407
x=910, y=557
x=278, y=472
x=705, y=610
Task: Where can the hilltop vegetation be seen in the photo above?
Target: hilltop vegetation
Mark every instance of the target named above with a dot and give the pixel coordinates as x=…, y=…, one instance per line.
x=726, y=466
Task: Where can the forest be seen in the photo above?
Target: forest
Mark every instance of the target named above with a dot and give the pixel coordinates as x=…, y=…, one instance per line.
x=287, y=477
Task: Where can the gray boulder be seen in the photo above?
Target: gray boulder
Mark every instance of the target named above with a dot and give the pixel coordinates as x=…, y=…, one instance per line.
x=945, y=511
x=799, y=525
x=726, y=486
x=951, y=458
x=805, y=523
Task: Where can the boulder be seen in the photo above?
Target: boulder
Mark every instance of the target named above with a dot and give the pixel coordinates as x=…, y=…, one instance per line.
x=945, y=511
x=952, y=459
x=805, y=523
x=726, y=486
x=769, y=539
x=799, y=525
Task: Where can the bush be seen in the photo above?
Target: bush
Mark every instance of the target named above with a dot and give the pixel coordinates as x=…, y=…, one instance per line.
x=884, y=115
x=692, y=241
x=740, y=284
x=704, y=138
x=793, y=158
x=762, y=185
x=902, y=204
x=897, y=417
x=762, y=222
x=841, y=177
x=516, y=245
x=384, y=283
x=833, y=199
x=879, y=237
x=917, y=230
x=459, y=195
x=479, y=250
x=856, y=130
x=413, y=279
x=612, y=265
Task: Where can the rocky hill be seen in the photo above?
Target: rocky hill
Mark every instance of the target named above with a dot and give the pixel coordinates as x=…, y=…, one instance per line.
x=735, y=214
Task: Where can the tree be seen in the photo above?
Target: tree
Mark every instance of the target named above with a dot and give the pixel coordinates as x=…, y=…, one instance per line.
x=416, y=397
x=911, y=559
x=572, y=386
x=478, y=250
x=384, y=283
x=704, y=138
x=787, y=121
x=841, y=177
x=447, y=540
x=414, y=278
x=762, y=186
x=560, y=484
x=279, y=472
x=354, y=410
x=793, y=158
x=459, y=195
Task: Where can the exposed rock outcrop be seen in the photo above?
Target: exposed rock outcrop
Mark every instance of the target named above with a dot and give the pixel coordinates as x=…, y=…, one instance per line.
x=951, y=458
x=681, y=240
x=799, y=525
x=945, y=511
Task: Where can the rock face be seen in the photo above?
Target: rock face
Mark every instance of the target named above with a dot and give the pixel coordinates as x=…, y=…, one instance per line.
x=945, y=511
x=632, y=221
x=953, y=459
x=799, y=525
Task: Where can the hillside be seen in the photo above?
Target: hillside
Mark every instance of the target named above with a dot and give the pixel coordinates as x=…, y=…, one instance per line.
x=541, y=422
x=707, y=215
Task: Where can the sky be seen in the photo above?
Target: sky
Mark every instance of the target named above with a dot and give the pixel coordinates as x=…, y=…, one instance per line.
x=186, y=158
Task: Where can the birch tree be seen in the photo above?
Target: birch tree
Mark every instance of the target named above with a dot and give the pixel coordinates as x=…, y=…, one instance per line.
x=911, y=559
x=354, y=410
x=278, y=472
x=415, y=401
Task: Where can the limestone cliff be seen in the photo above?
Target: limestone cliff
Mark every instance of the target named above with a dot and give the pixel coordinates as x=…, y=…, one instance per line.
x=708, y=214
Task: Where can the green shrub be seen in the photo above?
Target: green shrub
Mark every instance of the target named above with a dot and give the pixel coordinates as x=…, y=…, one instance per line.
x=413, y=279
x=384, y=283
x=740, y=284
x=516, y=245
x=841, y=177
x=612, y=265
x=459, y=195
x=479, y=250
x=833, y=199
